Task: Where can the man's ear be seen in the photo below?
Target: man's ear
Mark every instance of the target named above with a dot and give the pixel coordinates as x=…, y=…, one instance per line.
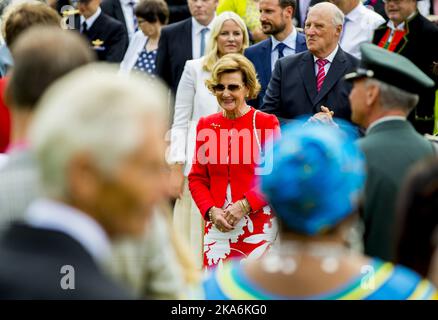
x=83, y=179
x=372, y=94
x=290, y=11
x=339, y=29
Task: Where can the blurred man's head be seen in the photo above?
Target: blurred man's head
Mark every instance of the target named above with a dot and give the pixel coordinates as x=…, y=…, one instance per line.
x=323, y=28
x=276, y=15
x=88, y=7
x=99, y=143
x=19, y=17
x=43, y=54
x=399, y=10
x=203, y=10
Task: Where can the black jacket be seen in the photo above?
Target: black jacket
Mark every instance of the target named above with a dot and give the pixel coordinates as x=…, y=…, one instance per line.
x=31, y=262
x=292, y=90
x=174, y=49
x=107, y=38
x=420, y=45
x=113, y=8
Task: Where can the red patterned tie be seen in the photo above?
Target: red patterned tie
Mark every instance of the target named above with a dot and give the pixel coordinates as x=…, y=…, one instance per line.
x=321, y=73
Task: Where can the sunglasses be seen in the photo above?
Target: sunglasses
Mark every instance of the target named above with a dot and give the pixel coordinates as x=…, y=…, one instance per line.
x=231, y=87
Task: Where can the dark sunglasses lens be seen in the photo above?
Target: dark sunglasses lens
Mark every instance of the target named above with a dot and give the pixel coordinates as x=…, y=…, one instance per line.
x=233, y=87
x=219, y=87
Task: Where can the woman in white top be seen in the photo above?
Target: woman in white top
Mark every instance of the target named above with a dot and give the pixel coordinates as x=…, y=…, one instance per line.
x=193, y=100
x=141, y=55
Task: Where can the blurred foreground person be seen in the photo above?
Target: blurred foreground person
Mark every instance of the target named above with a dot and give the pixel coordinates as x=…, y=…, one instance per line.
x=417, y=220
x=314, y=203
x=16, y=18
x=42, y=55
x=97, y=186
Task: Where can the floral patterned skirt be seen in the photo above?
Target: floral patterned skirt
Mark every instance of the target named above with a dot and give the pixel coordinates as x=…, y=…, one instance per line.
x=251, y=237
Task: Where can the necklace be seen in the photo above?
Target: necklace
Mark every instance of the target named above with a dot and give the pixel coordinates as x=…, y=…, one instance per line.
x=235, y=116
x=285, y=256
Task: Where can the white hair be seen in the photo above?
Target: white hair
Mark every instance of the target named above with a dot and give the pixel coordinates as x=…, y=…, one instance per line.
x=97, y=111
x=336, y=14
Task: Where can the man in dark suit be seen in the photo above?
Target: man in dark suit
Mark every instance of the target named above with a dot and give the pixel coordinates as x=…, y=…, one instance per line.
x=184, y=40
x=96, y=187
x=384, y=92
x=122, y=11
x=304, y=82
x=276, y=20
x=410, y=34
x=105, y=34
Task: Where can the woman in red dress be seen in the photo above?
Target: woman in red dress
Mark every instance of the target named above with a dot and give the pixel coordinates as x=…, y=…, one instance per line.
x=226, y=163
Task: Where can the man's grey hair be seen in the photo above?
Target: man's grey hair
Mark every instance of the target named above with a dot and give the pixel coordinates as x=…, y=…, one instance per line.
x=93, y=110
x=336, y=14
x=392, y=97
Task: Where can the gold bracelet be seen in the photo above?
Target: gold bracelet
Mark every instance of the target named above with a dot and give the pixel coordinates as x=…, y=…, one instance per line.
x=210, y=214
x=247, y=206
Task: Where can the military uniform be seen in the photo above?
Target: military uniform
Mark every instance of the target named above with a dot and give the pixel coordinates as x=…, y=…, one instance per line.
x=391, y=146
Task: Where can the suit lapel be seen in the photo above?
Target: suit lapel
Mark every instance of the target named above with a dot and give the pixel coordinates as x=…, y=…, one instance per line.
x=119, y=13
x=307, y=71
x=187, y=34
x=336, y=71
x=266, y=61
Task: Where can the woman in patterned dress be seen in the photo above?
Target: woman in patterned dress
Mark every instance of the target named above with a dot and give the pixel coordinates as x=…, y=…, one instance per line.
x=222, y=180
x=316, y=181
x=141, y=55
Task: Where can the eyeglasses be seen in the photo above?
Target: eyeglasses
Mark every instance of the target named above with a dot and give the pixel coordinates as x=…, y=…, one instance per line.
x=231, y=87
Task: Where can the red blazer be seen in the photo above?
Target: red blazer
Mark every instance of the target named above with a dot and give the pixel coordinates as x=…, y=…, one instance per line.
x=227, y=153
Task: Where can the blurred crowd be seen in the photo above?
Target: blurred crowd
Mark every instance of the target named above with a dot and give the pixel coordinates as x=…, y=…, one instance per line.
x=219, y=149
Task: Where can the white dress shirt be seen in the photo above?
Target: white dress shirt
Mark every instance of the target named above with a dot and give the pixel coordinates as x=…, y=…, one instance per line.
x=384, y=119
x=193, y=101
x=128, y=13
x=91, y=19
x=330, y=58
x=196, y=37
x=57, y=216
x=359, y=27
x=290, y=42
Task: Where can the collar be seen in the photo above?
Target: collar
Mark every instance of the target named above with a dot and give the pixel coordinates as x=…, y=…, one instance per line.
x=91, y=19
x=401, y=26
x=330, y=57
x=290, y=40
x=384, y=119
x=198, y=27
x=54, y=215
